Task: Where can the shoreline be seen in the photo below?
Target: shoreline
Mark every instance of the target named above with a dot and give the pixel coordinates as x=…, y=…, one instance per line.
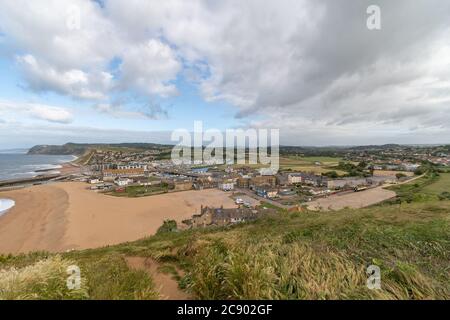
x=43, y=175
x=63, y=216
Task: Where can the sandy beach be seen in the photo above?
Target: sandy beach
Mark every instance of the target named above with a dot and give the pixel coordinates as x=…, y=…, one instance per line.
x=63, y=216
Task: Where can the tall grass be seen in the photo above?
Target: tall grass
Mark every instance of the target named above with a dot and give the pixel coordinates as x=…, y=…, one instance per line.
x=275, y=270
x=45, y=279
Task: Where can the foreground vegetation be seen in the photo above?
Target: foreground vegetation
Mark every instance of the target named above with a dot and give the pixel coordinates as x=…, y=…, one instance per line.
x=300, y=255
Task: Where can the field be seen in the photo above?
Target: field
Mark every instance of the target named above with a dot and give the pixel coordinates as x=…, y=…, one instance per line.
x=441, y=185
x=430, y=187
x=141, y=191
x=317, y=165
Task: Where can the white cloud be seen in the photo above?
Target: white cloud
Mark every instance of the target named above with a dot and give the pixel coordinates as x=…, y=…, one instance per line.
x=149, y=67
x=16, y=110
x=73, y=82
x=145, y=111
x=311, y=67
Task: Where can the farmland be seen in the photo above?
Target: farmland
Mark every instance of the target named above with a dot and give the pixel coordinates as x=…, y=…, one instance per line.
x=317, y=165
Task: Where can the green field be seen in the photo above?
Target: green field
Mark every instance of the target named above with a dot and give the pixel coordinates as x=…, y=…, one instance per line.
x=442, y=184
x=141, y=191
x=308, y=164
x=430, y=187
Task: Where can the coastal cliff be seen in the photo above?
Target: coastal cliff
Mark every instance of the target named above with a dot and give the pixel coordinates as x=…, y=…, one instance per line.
x=81, y=148
x=66, y=149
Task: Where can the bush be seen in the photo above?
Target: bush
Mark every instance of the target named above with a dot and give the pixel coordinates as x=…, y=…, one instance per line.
x=167, y=226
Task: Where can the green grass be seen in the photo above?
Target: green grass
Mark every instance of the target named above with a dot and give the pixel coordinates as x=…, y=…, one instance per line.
x=442, y=184
x=141, y=191
x=308, y=164
x=425, y=189
x=104, y=275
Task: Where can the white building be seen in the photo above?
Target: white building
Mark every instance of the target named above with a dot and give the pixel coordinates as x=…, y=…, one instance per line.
x=226, y=186
x=294, y=178
x=122, y=182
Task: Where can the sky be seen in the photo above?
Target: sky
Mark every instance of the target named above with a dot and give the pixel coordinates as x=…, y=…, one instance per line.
x=135, y=70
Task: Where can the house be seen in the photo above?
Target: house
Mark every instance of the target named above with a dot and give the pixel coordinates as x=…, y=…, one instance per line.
x=122, y=182
x=294, y=178
x=132, y=166
x=313, y=180
x=260, y=181
x=243, y=182
x=266, y=192
x=221, y=217
x=114, y=173
x=226, y=185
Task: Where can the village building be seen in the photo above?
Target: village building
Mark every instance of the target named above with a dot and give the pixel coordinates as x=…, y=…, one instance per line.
x=122, y=182
x=226, y=185
x=294, y=178
x=260, y=181
x=268, y=193
x=111, y=174
x=202, y=183
x=221, y=217
x=243, y=182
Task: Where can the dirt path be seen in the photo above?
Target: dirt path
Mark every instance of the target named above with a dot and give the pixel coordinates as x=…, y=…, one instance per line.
x=164, y=283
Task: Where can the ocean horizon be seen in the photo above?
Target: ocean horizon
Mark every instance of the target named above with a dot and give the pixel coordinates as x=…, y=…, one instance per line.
x=17, y=164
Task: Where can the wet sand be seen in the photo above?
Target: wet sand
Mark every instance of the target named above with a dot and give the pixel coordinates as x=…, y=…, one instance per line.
x=62, y=216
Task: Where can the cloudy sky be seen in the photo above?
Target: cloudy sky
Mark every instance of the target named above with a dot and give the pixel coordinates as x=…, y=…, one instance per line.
x=116, y=71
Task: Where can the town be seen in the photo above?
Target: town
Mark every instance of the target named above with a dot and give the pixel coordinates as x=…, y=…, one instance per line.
x=306, y=177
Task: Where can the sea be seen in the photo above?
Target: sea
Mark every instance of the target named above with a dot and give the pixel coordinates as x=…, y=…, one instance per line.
x=17, y=164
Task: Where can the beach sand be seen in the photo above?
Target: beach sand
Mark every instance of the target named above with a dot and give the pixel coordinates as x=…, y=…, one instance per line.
x=62, y=216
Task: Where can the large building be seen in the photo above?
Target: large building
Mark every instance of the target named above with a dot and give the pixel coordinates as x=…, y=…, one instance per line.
x=260, y=181
x=114, y=173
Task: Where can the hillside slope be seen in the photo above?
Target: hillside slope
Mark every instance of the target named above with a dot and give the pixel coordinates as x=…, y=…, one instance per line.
x=287, y=256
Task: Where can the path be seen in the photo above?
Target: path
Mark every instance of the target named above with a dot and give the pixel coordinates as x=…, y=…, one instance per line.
x=164, y=283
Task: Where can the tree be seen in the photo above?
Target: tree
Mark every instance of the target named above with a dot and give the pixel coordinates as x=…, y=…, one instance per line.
x=400, y=175
x=167, y=226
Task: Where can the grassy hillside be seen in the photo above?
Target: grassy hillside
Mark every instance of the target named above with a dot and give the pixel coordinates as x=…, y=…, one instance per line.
x=288, y=256
x=302, y=255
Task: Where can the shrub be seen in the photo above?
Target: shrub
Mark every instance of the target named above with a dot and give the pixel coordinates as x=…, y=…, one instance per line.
x=167, y=226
